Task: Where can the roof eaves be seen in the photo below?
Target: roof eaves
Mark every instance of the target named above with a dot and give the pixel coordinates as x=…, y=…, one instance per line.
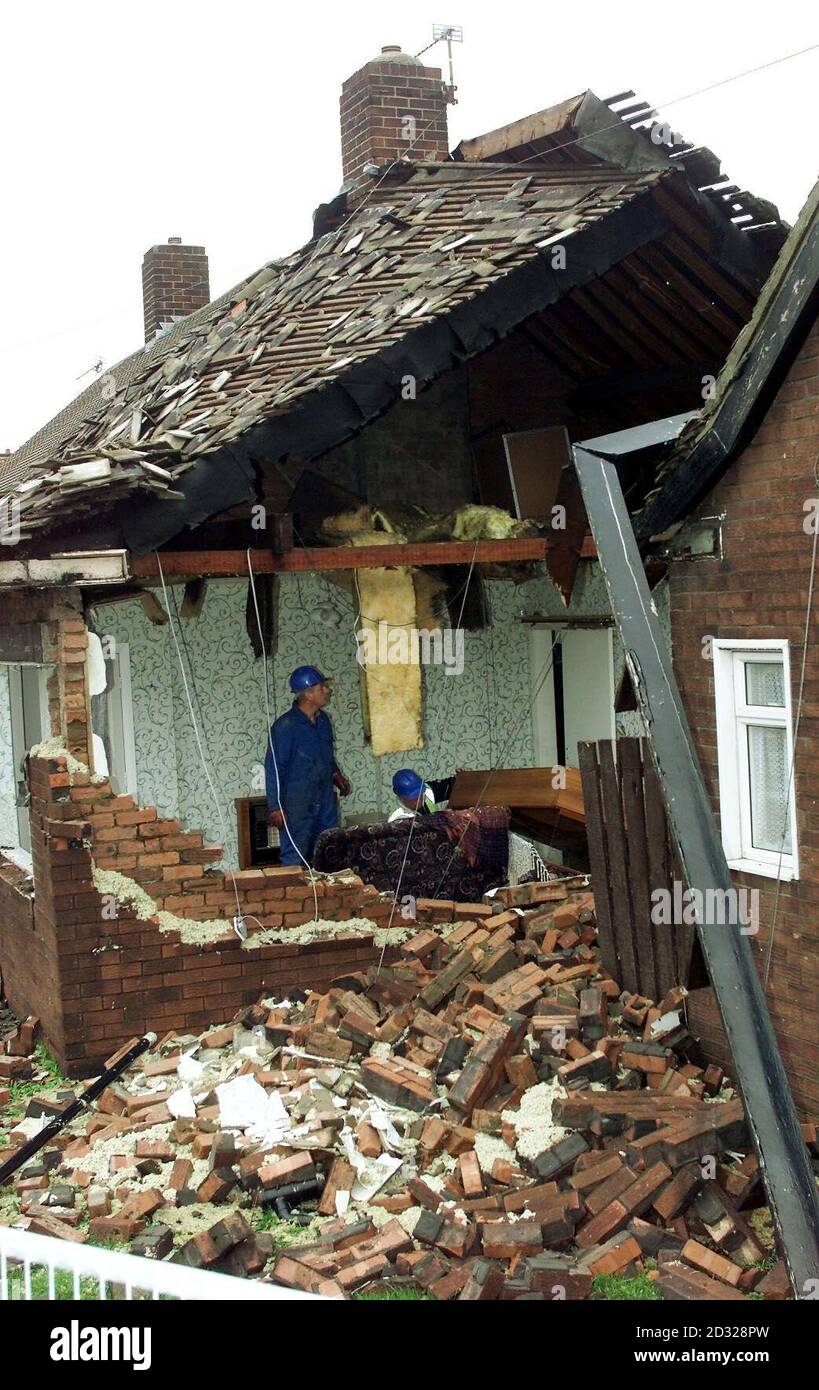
x=751, y=374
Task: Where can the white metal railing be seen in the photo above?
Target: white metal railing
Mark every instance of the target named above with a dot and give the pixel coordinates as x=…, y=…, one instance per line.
x=42, y=1267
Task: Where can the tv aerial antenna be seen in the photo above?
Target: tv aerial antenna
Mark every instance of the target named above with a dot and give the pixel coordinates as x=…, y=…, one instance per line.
x=448, y=34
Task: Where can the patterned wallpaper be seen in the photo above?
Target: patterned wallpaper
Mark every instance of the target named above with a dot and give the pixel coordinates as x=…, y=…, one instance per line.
x=469, y=720
x=477, y=719
x=8, y=814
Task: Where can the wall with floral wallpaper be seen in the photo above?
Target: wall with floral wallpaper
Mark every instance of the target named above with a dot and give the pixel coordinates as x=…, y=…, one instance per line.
x=8, y=813
x=478, y=719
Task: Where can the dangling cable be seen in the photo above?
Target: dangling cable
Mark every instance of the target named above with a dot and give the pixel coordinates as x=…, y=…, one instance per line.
x=308, y=867
x=219, y=812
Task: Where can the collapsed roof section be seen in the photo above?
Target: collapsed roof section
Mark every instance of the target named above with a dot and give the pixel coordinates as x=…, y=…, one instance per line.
x=436, y=264
x=753, y=371
x=628, y=133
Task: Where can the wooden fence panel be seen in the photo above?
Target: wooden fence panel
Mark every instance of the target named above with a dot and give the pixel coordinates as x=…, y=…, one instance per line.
x=630, y=856
x=603, y=906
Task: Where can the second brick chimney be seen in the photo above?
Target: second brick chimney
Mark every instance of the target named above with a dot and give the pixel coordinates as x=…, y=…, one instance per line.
x=174, y=283
x=390, y=104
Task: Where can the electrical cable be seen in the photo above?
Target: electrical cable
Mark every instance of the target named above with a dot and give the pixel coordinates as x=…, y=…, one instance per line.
x=202, y=758
x=797, y=721
x=309, y=868
x=414, y=817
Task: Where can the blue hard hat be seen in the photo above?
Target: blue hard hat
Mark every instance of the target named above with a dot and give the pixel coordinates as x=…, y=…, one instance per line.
x=407, y=783
x=305, y=676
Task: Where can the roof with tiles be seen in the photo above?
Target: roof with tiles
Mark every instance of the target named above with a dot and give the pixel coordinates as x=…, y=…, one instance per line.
x=410, y=253
x=421, y=241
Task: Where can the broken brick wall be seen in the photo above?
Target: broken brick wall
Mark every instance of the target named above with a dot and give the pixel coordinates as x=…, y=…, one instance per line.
x=760, y=589
x=95, y=974
x=59, y=612
x=81, y=960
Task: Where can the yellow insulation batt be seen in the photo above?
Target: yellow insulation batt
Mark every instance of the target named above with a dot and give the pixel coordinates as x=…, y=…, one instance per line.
x=387, y=596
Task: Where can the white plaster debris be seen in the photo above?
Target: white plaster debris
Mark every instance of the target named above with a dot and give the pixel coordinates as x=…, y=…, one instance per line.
x=31, y=1126
x=189, y=1069
x=182, y=1104
x=409, y=1218
x=130, y=893
x=244, y=1104
x=98, y=1161
x=318, y=930
x=187, y=1222
x=52, y=748
x=488, y=1148
x=533, y=1123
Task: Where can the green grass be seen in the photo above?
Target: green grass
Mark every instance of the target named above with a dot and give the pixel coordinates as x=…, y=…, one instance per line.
x=21, y=1091
x=265, y=1219
x=614, y=1286
x=63, y=1285
x=397, y=1294
x=766, y=1262
x=284, y=1233
x=44, y=1061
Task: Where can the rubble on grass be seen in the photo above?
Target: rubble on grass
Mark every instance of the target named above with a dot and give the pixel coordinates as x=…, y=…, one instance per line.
x=488, y=1117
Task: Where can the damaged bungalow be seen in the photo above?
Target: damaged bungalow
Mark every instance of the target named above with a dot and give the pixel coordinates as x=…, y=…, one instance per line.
x=374, y=435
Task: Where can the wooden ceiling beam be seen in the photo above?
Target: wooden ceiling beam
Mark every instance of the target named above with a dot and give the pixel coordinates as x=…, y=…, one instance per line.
x=232, y=564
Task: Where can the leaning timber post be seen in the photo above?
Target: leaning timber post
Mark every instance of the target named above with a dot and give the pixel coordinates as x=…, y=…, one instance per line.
x=771, y=1113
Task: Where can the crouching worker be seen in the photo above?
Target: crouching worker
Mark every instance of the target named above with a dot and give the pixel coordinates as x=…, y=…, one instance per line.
x=415, y=796
x=301, y=772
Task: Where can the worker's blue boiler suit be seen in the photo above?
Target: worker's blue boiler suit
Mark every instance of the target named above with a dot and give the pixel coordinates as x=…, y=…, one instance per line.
x=304, y=791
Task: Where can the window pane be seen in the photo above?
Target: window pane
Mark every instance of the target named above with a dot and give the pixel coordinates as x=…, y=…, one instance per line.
x=768, y=763
x=764, y=683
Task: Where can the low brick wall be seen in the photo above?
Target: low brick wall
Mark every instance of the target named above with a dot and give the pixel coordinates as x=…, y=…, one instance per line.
x=95, y=974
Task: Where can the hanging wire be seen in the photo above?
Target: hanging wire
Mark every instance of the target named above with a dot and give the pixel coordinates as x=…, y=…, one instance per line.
x=310, y=870
x=197, y=735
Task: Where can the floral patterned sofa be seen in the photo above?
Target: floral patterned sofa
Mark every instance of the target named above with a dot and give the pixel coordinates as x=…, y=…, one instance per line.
x=436, y=861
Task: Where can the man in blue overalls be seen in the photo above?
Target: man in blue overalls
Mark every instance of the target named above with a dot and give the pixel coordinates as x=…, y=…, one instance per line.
x=301, y=770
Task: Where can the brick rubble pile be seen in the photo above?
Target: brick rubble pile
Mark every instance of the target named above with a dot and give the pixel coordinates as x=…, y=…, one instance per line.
x=486, y=1117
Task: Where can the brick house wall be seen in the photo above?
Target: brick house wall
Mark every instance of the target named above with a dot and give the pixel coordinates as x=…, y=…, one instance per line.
x=760, y=589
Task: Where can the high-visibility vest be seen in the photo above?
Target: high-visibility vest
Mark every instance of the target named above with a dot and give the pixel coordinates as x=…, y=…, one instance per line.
x=427, y=806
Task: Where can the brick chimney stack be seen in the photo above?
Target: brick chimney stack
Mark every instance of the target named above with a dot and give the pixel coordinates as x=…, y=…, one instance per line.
x=389, y=104
x=174, y=283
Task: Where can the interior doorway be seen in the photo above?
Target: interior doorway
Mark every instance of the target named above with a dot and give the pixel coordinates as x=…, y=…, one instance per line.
x=574, y=701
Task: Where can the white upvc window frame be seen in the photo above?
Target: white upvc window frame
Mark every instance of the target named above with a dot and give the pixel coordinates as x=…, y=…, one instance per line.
x=733, y=715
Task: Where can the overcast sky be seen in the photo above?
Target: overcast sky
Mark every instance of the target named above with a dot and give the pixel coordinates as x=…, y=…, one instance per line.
x=129, y=123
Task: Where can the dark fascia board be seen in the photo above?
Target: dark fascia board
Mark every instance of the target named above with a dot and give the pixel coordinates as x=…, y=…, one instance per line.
x=340, y=410
x=752, y=375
